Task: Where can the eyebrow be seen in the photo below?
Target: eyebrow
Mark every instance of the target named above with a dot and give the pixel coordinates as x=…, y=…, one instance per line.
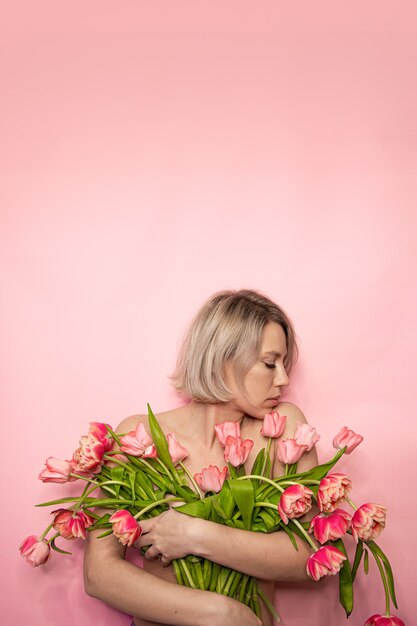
x=272, y=353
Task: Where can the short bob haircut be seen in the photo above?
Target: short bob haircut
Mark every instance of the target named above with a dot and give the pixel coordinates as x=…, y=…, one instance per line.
x=228, y=326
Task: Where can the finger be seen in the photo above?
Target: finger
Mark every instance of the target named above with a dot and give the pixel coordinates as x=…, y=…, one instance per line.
x=144, y=540
x=146, y=525
x=151, y=554
x=165, y=561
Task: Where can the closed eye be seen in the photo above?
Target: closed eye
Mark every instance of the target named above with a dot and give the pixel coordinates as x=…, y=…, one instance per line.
x=270, y=365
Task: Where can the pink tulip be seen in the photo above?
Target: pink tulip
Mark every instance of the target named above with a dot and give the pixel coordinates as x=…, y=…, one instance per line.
x=383, y=620
x=289, y=451
x=125, y=527
x=346, y=437
x=328, y=560
x=273, y=425
x=329, y=527
x=237, y=451
x=71, y=525
x=224, y=430
x=88, y=458
x=211, y=478
x=294, y=502
x=333, y=491
x=177, y=452
x=368, y=521
x=57, y=471
x=138, y=443
x=306, y=435
x=99, y=432
x=34, y=550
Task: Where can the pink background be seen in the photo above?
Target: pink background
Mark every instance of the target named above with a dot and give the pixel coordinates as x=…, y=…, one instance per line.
x=154, y=153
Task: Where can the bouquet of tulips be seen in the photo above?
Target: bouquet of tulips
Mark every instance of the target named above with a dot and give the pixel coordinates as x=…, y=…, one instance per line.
x=140, y=477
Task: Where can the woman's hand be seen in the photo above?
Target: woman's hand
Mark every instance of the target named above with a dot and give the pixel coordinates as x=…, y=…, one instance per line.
x=169, y=535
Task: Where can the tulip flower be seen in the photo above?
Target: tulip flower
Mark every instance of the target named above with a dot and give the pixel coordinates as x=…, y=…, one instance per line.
x=346, y=437
x=329, y=527
x=328, y=560
x=177, y=452
x=384, y=620
x=138, y=443
x=237, y=451
x=36, y=551
x=273, y=425
x=294, y=502
x=125, y=527
x=57, y=471
x=368, y=521
x=211, y=478
x=289, y=451
x=70, y=524
x=306, y=435
x=88, y=457
x=332, y=491
x=226, y=429
x=99, y=432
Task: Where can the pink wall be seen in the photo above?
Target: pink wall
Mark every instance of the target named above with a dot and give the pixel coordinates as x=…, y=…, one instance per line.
x=155, y=153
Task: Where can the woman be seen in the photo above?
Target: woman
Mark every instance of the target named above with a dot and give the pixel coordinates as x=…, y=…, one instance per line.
x=233, y=364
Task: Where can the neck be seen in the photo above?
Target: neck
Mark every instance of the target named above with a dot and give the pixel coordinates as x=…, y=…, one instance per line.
x=207, y=416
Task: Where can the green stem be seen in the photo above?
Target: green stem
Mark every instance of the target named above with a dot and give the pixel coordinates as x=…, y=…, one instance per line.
x=262, y=479
x=269, y=605
x=306, y=535
x=45, y=532
x=349, y=501
x=157, y=503
x=385, y=583
x=268, y=447
x=196, y=487
x=84, y=495
x=109, y=457
x=187, y=573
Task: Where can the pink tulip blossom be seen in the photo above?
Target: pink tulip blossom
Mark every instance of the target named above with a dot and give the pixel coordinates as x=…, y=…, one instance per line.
x=138, y=443
x=99, y=432
x=333, y=491
x=57, y=471
x=306, y=435
x=346, y=437
x=294, y=502
x=328, y=560
x=331, y=526
x=289, y=451
x=125, y=527
x=88, y=458
x=211, y=478
x=384, y=620
x=368, y=521
x=226, y=429
x=237, y=451
x=273, y=425
x=34, y=550
x=177, y=452
x=71, y=525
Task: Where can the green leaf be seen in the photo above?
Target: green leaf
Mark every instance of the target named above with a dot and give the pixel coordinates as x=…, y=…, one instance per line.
x=117, y=473
x=105, y=534
x=226, y=499
x=259, y=462
x=316, y=473
x=219, y=509
x=290, y=535
x=366, y=562
x=388, y=570
x=345, y=580
x=244, y=496
x=195, y=509
x=160, y=440
x=54, y=547
x=357, y=559
x=237, y=523
x=269, y=518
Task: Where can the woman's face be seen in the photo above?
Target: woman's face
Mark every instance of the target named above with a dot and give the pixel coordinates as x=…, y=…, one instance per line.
x=264, y=380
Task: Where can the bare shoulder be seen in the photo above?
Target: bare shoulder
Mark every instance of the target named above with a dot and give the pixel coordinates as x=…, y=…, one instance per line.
x=294, y=415
x=130, y=423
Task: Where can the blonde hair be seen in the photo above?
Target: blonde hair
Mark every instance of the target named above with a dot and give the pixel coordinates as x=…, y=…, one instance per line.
x=228, y=326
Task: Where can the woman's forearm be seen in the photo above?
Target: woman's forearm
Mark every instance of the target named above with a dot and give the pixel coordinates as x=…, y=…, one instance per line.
x=268, y=556
x=134, y=591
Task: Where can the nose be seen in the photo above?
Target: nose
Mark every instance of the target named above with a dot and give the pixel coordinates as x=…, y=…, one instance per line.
x=281, y=378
